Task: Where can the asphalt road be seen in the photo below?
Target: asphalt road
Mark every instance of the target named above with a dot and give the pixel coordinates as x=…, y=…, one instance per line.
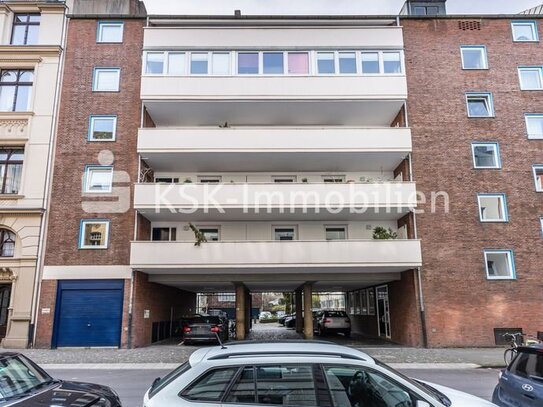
x=132, y=384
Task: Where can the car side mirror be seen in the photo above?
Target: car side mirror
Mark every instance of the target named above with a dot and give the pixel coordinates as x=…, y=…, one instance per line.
x=421, y=403
x=155, y=382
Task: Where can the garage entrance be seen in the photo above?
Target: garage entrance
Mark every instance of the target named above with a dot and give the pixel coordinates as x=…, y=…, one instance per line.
x=88, y=313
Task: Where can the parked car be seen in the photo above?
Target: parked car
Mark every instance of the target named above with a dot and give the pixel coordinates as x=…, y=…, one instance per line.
x=332, y=321
x=205, y=329
x=283, y=318
x=24, y=384
x=265, y=315
x=295, y=373
x=521, y=383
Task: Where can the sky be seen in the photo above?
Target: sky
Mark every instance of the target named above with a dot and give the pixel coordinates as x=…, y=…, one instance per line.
x=383, y=7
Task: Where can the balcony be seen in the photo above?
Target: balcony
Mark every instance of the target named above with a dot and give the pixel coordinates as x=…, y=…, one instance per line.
x=214, y=149
x=260, y=257
x=273, y=201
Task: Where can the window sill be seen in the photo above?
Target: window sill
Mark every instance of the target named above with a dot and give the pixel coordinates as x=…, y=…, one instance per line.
x=93, y=248
x=11, y=197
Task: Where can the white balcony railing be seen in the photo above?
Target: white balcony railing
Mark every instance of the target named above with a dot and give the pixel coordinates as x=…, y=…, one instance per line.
x=370, y=254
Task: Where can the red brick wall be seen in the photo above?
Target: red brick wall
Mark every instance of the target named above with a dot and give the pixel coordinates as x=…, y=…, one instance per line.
x=44, y=324
x=462, y=306
x=73, y=151
x=405, y=323
x=159, y=300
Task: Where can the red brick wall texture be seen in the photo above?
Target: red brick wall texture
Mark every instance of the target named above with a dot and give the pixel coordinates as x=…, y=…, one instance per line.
x=462, y=306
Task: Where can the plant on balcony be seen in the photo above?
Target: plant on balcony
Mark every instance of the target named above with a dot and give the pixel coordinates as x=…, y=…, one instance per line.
x=187, y=181
x=380, y=233
x=304, y=179
x=367, y=180
x=198, y=235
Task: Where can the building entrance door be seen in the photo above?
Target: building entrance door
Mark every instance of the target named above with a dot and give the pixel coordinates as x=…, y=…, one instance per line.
x=383, y=312
x=5, y=294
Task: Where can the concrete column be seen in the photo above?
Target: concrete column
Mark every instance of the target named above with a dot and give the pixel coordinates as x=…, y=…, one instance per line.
x=308, y=315
x=299, y=311
x=240, y=311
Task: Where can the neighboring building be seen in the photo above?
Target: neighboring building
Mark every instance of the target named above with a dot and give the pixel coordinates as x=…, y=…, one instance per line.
x=476, y=112
x=31, y=39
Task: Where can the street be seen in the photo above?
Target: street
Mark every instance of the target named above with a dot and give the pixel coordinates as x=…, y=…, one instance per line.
x=132, y=384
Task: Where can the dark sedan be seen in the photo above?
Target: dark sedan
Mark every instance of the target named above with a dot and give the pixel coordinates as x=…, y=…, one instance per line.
x=521, y=384
x=205, y=329
x=25, y=384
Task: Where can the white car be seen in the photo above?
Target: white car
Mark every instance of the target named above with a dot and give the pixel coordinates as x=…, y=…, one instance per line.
x=297, y=373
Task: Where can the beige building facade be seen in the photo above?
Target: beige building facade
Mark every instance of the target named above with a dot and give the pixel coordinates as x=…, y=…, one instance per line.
x=31, y=37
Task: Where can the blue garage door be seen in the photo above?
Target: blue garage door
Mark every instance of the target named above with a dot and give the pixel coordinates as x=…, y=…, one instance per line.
x=88, y=313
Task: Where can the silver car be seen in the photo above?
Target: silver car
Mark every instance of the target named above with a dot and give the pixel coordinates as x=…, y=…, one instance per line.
x=296, y=373
x=332, y=322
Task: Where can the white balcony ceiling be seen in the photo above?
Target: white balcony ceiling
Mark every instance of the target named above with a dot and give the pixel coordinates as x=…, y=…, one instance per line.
x=367, y=113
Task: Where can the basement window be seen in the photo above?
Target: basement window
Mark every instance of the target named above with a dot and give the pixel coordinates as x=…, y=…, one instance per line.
x=164, y=234
x=486, y=155
x=538, y=177
x=492, y=208
x=480, y=105
x=94, y=234
x=474, y=57
x=499, y=265
x=524, y=31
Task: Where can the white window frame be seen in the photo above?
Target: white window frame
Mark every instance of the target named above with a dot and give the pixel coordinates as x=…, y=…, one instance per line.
x=88, y=176
x=487, y=96
x=92, y=119
x=531, y=23
x=503, y=203
x=294, y=227
x=510, y=260
x=483, y=51
x=97, y=71
x=539, y=69
x=217, y=227
x=102, y=24
x=344, y=227
x=82, y=233
x=497, y=155
x=527, y=116
x=535, y=169
x=170, y=233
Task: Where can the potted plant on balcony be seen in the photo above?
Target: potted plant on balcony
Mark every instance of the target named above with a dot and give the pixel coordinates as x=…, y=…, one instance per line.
x=304, y=180
x=187, y=181
x=198, y=235
x=380, y=233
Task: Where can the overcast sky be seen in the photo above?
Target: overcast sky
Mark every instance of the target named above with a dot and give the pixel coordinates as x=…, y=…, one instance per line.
x=268, y=7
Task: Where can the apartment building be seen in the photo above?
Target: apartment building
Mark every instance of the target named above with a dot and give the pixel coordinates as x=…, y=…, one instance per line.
x=31, y=38
x=475, y=110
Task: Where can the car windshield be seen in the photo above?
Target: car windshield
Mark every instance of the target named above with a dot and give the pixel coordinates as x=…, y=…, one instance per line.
x=335, y=314
x=19, y=376
x=425, y=388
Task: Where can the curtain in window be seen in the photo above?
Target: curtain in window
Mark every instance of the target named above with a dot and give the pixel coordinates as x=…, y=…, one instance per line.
x=298, y=63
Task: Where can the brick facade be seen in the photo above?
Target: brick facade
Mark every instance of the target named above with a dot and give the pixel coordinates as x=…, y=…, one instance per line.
x=462, y=306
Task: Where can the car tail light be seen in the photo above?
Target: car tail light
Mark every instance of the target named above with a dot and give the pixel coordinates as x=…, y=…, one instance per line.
x=215, y=329
x=327, y=321
x=187, y=329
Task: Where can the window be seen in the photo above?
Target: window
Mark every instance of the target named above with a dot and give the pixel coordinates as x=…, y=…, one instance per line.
x=531, y=78
x=326, y=63
x=524, y=31
x=371, y=301
x=425, y=11
x=370, y=62
x=298, y=63
x=528, y=365
x=336, y=232
x=486, y=155
x=176, y=63
x=392, y=62
x=106, y=79
x=492, y=208
x=15, y=89
x=102, y=128
x=534, y=125
x=287, y=385
x=210, y=179
x=164, y=234
x=199, y=63
x=25, y=30
x=166, y=180
x=284, y=233
x=11, y=169
x=226, y=297
x=154, y=63
x=359, y=386
x=347, y=62
x=538, y=177
x=7, y=243
x=211, y=386
x=94, y=234
x=98, y=178
x=480, y=105
x=541, y=224
x=248, y=63
x=210, y=233
x=499, y=264
x=474, y=57
x=333, y=179
x=220, y=63
x=273, y=63
x=284, y=179
x=243, y=390
x=110, y=31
